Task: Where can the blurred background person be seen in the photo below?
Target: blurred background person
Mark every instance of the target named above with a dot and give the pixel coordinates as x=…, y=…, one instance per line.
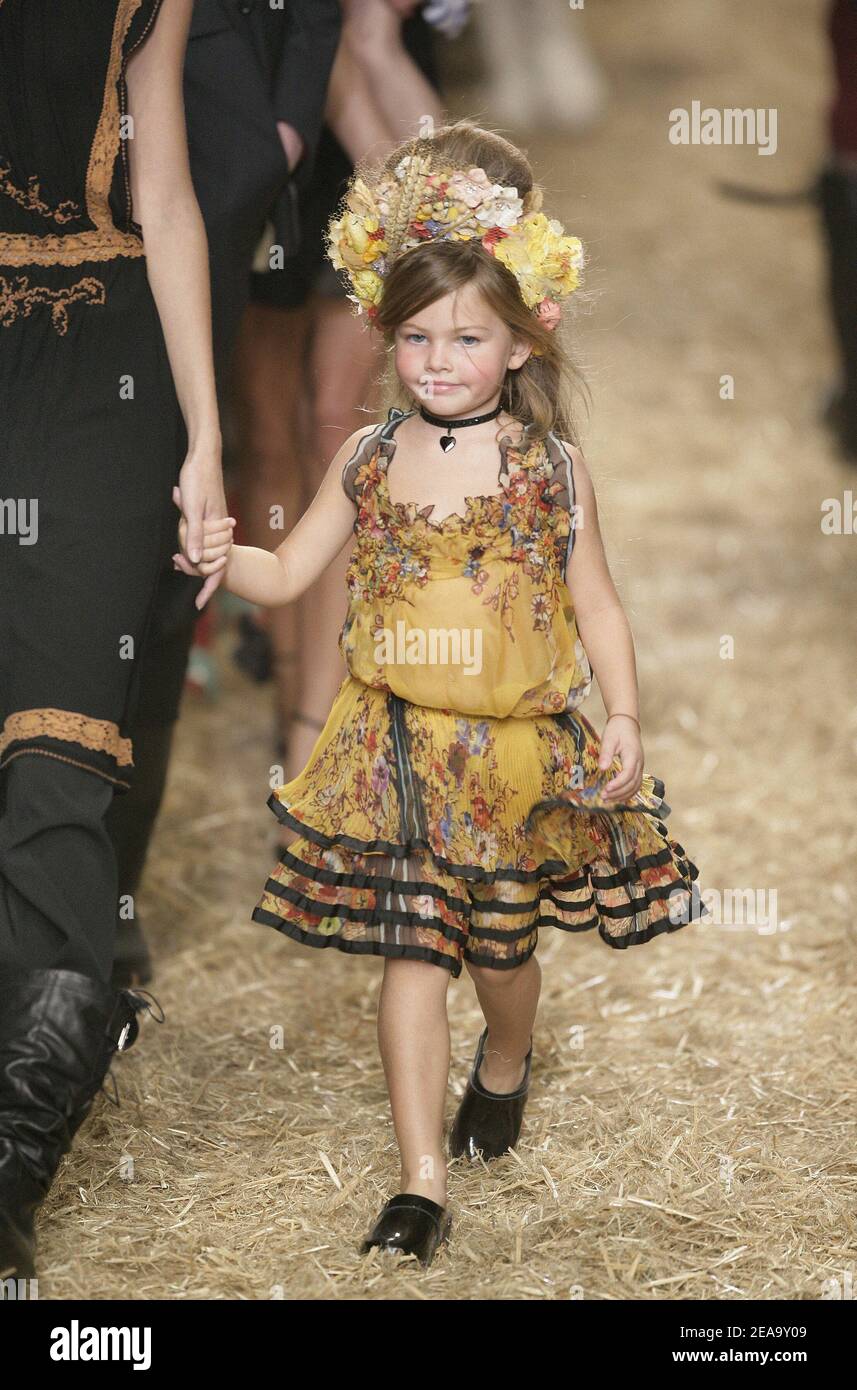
x=306, y=366
x=547, y=37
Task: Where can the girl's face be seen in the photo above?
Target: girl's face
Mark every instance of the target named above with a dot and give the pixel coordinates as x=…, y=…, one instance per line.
x=454, y=354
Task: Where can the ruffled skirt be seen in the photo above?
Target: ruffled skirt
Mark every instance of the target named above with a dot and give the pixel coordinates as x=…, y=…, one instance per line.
x=441, y=837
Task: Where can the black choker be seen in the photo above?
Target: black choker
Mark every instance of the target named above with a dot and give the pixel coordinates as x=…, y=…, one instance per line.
x=446, y=440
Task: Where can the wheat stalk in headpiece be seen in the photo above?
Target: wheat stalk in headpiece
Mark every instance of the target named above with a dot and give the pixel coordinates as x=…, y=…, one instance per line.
x=410, y=197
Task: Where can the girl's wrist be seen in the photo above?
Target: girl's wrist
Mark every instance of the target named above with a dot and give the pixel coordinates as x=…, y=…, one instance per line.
x=620, y=714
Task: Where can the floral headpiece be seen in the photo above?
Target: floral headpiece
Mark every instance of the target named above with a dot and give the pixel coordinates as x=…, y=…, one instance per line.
x=416, y=204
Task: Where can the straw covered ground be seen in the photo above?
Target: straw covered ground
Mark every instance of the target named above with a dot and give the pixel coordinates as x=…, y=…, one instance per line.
x=690, y=1132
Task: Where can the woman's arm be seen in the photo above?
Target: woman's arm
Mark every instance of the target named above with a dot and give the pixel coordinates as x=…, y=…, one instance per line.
x=274, y=577
x=606, y=636
x=377, y=94
x=165, y=206
x=352, y=112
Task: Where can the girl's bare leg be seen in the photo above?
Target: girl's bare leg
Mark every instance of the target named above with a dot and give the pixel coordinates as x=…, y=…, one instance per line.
x=413, y=1035
x=509, y=1000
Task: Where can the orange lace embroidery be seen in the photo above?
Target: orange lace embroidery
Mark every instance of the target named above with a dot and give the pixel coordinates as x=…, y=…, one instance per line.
x=106, y=241
x=31, y=199
x=101, y=735
x=18, y=299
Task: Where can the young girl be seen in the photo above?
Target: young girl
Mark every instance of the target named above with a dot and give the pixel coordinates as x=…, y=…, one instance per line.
x=456, y=800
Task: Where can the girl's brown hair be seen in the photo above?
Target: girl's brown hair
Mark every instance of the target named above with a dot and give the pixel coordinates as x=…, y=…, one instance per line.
x=542, y=392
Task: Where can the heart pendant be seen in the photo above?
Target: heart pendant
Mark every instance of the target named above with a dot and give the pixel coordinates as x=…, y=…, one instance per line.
x=447, y=442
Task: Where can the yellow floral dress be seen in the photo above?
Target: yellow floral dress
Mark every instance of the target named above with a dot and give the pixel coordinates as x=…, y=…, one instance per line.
x=453, y=803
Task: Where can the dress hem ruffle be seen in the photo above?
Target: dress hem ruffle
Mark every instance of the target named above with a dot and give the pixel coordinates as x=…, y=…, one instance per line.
x=549, y=868
x=552, y=874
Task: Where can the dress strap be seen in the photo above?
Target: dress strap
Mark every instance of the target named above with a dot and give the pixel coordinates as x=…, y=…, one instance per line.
x=560, y=491
x=394, y=419
x=367, y=446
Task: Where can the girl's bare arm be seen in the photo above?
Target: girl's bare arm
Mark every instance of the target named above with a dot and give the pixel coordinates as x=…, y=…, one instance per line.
x=601, y=621
x=274, y=577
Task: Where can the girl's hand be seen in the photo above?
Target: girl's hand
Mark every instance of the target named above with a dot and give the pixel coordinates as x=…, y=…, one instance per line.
x=200, y=497
x=622, y=737
x=216, y=544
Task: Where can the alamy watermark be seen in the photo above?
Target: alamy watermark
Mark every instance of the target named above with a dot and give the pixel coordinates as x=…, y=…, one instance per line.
x=732, y=909
x=733, y=125
x=19, y=516
x=433, y=646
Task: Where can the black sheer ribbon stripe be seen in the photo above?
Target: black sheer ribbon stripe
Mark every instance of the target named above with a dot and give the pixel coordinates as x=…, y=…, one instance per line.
x=358, y=948
x=638, y=938
x=635, y=906
x=569, y=906
x=475, y=958
x=589, y=925
x=504, y=934
x=380, y=882
x=367, y=916
x=620, y=943
x=630, y=873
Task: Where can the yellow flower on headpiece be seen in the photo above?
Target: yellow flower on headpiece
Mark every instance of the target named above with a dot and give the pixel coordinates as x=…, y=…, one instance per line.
x=352, y=244
x=368, y=286
x=544, y=261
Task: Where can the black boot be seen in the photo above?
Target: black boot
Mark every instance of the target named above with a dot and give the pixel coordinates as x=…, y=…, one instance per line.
x=488, y=1120
x=410, y=1225
x=130, y=822
x=58, y=1033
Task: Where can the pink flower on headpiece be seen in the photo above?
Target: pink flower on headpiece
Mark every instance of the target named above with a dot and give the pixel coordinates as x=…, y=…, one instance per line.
x=471, y=188
x=549, y=313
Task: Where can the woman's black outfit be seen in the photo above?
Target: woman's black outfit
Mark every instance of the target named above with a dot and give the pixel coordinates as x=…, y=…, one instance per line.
x=91, y=444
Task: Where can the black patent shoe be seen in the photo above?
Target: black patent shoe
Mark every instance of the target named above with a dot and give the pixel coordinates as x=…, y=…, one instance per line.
x=410, y=1225
x=488, y=1120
